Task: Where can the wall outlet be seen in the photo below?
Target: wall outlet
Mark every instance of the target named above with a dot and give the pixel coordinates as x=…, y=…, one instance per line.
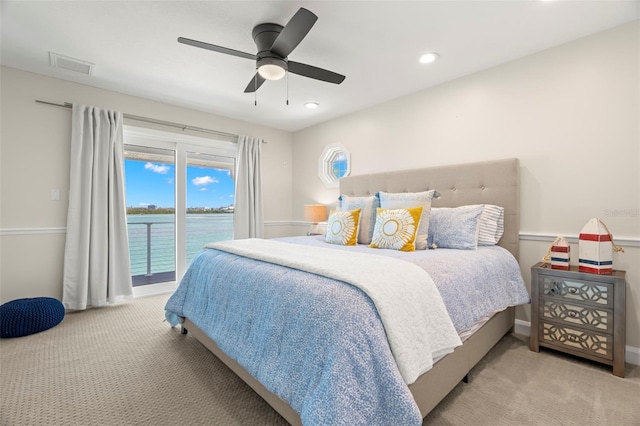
x=55, y=195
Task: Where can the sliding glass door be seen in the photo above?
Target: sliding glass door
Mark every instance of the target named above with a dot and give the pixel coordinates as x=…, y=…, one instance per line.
x=210, y=200
x=180, y=196
x=151, y=218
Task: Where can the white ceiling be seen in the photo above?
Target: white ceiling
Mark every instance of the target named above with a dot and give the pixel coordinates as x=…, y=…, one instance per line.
x=376, y=44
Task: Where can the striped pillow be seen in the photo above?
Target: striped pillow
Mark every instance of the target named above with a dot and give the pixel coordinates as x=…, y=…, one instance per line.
x=491, y=225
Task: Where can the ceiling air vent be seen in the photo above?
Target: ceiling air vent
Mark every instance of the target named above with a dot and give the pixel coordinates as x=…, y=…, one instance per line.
x=71, y=64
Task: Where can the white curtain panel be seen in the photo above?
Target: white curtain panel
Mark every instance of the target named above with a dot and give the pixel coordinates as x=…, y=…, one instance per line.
x=248, y=219
x=97, y=270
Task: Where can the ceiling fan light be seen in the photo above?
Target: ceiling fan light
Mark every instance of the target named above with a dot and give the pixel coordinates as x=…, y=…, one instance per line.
x=428, y=58
x=311, y=105
x=271, y=71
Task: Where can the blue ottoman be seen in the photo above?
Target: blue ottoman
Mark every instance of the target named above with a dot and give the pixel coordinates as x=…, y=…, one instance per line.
x=22, y=317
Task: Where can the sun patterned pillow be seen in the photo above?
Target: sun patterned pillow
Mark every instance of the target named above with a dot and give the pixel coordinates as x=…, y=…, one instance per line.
x=367, y=206
x=396, y=228
x=342, y=227
x=403, y=200
x=455, y=228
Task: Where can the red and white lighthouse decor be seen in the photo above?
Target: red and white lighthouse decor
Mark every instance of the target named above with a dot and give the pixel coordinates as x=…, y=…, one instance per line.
x=560, y=254
x=596, y=247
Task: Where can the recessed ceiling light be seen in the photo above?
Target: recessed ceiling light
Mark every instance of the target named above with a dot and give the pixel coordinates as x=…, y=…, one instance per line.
x=311, y=105
x=428, y=58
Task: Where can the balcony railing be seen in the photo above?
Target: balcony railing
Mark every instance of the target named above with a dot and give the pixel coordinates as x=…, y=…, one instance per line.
x=146, y=245
x=152, y=243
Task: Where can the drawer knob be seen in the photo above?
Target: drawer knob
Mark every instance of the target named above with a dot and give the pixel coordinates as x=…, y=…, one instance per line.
x=573, y=290
x=573, y=338
x=572, y=314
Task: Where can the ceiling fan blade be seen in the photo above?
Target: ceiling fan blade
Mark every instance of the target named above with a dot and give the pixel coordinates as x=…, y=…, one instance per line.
x=293, y=33
x=315, y=72
x=255, y=83
x=215, y=48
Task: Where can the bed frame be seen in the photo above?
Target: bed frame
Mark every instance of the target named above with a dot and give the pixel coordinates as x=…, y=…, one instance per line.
x=489, y=182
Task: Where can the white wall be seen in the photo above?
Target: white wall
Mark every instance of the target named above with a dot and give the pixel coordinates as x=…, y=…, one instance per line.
x=35, y=159
x=570, y=114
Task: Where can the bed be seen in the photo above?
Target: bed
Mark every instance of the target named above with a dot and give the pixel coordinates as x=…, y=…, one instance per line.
x=487, y=183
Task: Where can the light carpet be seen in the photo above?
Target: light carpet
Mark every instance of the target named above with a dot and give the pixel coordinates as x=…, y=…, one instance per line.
x=123, y=365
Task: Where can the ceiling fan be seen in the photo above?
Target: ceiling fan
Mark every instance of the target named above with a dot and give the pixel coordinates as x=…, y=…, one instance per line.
x=275, y=43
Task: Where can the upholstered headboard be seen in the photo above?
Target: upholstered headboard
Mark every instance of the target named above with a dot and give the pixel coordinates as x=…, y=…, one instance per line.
x=488, y=182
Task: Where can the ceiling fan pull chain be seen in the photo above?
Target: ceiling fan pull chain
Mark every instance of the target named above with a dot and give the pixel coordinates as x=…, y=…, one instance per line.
x=287, y=89
x=255, y=92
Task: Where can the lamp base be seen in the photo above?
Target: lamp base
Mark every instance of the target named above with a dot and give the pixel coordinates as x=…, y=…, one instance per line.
x=317, y=229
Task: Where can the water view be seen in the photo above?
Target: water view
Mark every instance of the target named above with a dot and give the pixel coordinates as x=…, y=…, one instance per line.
x=201, y=229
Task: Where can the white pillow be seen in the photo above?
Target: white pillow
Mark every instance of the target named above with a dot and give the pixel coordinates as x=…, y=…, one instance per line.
x=403, y=200
x=456, y=228
x=367, y=206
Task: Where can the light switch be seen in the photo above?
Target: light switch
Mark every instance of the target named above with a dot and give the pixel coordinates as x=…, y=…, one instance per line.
x=55, y=195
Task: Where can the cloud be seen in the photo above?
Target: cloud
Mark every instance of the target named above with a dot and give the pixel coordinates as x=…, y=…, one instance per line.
x=203, y=189
x=157, y=168
x=203, y=180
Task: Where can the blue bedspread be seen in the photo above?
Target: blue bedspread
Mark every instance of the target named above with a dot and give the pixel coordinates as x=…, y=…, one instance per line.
x=319, y=343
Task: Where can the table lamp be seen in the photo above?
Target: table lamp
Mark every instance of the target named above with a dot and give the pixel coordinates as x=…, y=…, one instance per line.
x=315, y=213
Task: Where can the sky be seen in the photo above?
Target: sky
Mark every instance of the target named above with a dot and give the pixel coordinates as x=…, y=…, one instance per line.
x=153, y=183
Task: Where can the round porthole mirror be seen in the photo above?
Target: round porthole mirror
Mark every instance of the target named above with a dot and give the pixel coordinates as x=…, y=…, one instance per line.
x=334, y=163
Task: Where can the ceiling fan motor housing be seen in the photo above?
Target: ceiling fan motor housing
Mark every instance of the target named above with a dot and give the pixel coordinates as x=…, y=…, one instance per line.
x=264, y=35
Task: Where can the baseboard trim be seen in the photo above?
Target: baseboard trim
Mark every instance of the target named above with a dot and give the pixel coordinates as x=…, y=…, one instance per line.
x=631, y=353
x=522, y=327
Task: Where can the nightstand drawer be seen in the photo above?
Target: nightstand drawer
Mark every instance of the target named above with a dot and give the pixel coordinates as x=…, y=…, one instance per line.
x=588, y=342
x=569, y=314
x=572, y=290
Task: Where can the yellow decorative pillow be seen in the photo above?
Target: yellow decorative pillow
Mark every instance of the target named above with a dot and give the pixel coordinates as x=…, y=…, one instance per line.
x=342, y=227
x=396, y=228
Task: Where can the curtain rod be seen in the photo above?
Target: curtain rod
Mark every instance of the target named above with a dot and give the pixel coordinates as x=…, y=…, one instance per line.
x=154, y=121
